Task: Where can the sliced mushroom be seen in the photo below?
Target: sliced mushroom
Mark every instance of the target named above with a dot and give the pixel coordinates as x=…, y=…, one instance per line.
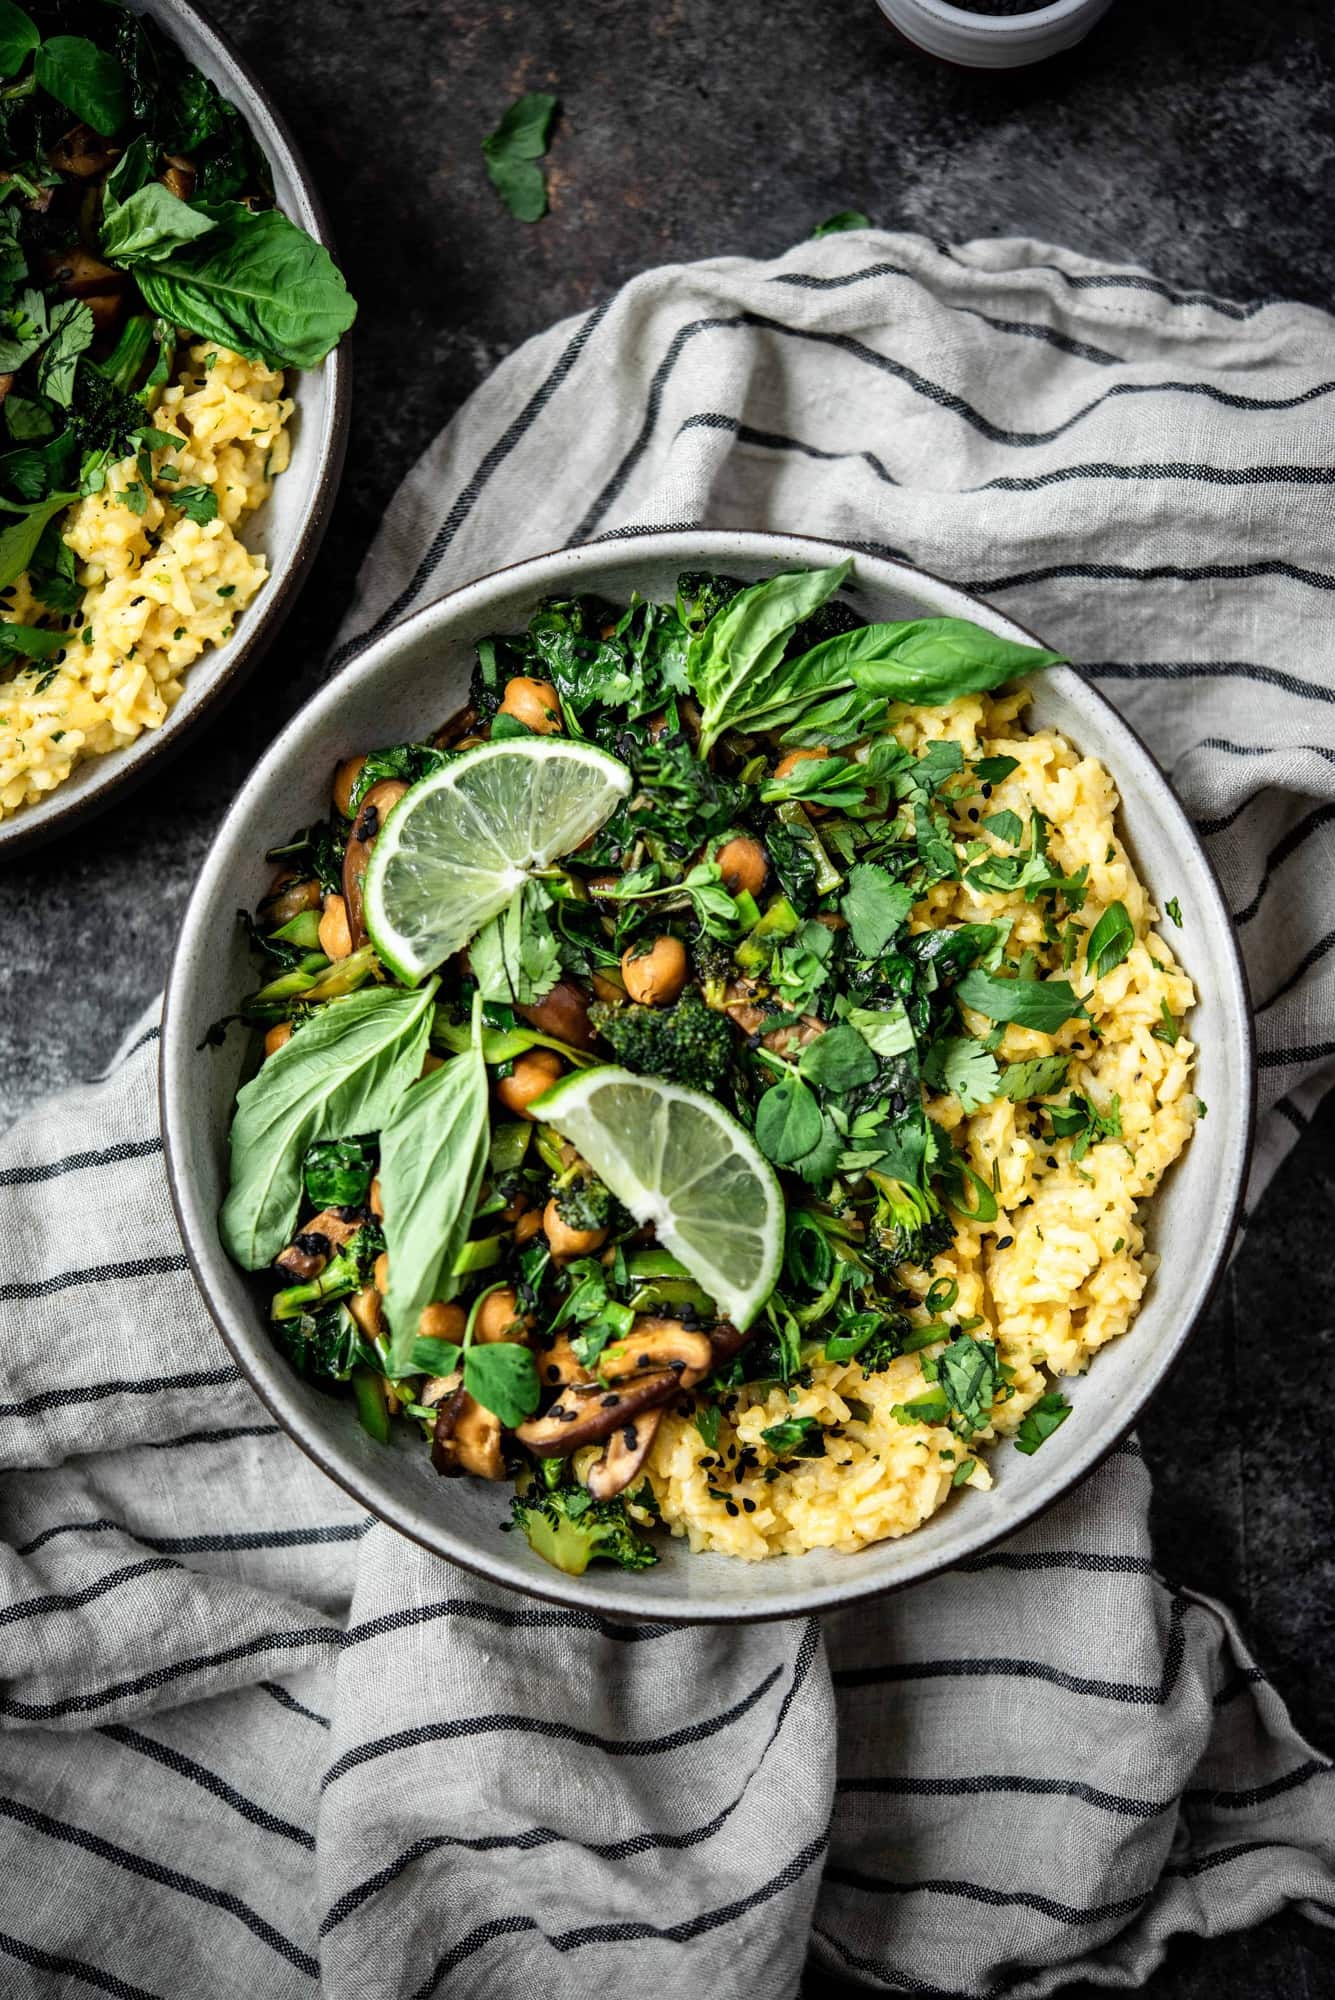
x=786, y=1041
x=179, y=178
x=623, y=1456
x=308, y=1252
x=82, y=153
x=726, y=1341
x=460, y=724
x=656, y=1344
x=376, y=802
x=79, y=274
x=467, y=1438
x=583, y=1415
x=559, y=1365
x=438, y=1388
x=564, y=1013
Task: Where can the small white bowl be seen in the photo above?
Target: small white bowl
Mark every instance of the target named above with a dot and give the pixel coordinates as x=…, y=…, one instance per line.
x=404, y=686
x=993, y=41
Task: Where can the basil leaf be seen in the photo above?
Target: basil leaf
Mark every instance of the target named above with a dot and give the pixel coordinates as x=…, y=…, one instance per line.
x=838, y=1060
x=736, y=667
x=18, y=543
x=343, y=1071
x=1043, y=1004
x=18, y=37
x=85, y=79
x=994, y=770
x=884, y=1029
x=1033, y=1079
x=512, y=149
x=256, y=283
x=433, y=1356
x=133, y=170
x=967, y=1371
x=1110, y=940
x=1048, y=1414
x=834, y=225
x=71, y=333
x=433, y=1154
x=875, y=907
x=149, y=224
x=960, y=1064
x=788, y=1122
x=503, y=1377
x=927, y=661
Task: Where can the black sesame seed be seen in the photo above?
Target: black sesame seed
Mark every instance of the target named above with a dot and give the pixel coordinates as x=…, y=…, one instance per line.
x=732, y=1507
x=610, y=1402
x=750, y=1506
x=553, y=1374
x=1004, y=1242
x=973, y=814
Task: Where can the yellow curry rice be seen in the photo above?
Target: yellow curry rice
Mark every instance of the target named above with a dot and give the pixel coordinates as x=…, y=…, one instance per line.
x=1063, y=1267
x=159, y=587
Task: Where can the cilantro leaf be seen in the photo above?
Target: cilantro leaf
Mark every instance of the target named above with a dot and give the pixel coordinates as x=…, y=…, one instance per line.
x=1007, y=826
x=1020, y=1080
x=875, y=906
x=994, y=770
x=1043, y=1004
x=71, y=332
x=967, y=1371
x=838, y=1060
x=795, y=1437
x=961, y=1065
x=197, y=503
x=886, y=1030
x=1048, y=1414
x=514, y=956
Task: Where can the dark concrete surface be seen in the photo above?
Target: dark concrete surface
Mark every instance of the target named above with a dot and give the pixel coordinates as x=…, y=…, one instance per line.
x=1195, y=139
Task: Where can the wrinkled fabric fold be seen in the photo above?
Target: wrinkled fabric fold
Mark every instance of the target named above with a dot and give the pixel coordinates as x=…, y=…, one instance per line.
x=253, y=1740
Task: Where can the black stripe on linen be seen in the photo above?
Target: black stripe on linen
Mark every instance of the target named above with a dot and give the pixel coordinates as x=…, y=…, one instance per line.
x=535, y=1618
x=623, y=1933
x=1005, y=1668
x=99, y=1392
x=209, y=1781
x=1189, y=471
x=1283, y=850
x=1258, y=749
x=1154, y=573
x=228, y=1542
x=982, y=1892
x=1244, y=1678
x=65, y=1967
x=1028, y=329
x=1321, y=949
x=1137, y=281
x=225, y=1436
x=902, y=1982
x=1202, y=1864
x=1288, y=1058
x=452, y=1729
x=469, y=494
x=1092, y=1562
x=285, y=1699
x=73, y=1163
x=35, y=1607
x=149, y=1035
x=166, y=1878
x=544, y=1836
x=990, y=1785
x=715, y=420
x=94, y=1274
x=1218, y=670
x=921, y=385
x=1288, y=1109
x=160, y=1677
x=1257, y=1795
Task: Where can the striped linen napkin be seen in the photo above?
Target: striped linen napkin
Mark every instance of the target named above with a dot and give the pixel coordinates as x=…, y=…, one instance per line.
x=255, y=1743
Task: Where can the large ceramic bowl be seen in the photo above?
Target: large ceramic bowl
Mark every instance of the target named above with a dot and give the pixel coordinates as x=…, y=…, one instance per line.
x=290, y=525
x=401, y=688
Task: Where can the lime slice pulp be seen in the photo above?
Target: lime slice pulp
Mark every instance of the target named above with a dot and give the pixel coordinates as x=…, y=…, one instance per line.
x=678, y=1160
x=460, y=842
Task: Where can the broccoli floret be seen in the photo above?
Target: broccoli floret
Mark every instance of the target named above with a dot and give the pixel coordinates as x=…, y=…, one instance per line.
x=584, y=1203
x=700, y=596
x=568, y=1528
x=909, y=1225
x=348, y=1270
x=688, y=1044
x=713, y=966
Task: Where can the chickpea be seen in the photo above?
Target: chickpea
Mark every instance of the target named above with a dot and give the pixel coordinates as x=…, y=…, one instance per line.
x=534, y=703
x=655, y=977
x=377, y=1199
x=563, y=1013
x=288, y=896
x=565, y=1241
x=278, y=1037
x=440, y=1321
x=499, y=1318
x=335, y=936
x=381, y=1273
x=743, y=865
x=531, y=1075
x=345, y=777
x=787, y=765
x=527, y=1227
x=605, y=987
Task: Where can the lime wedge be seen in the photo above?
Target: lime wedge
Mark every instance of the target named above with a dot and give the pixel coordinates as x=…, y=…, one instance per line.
x=459, y=843
x=678, y=1160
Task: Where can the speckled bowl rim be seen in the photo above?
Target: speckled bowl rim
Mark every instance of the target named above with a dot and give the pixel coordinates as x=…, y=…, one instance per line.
x=609, y=1593
x=122, y=771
